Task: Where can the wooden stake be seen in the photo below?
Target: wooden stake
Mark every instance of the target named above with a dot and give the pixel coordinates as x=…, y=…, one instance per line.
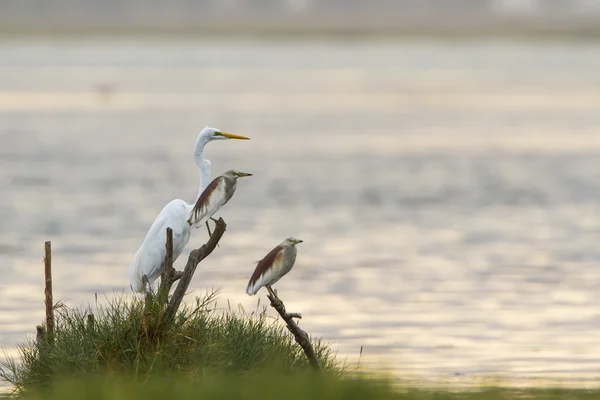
x=48, y=291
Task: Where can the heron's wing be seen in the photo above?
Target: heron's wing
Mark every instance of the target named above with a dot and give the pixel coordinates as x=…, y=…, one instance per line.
x=208, y=200
x=263, y=274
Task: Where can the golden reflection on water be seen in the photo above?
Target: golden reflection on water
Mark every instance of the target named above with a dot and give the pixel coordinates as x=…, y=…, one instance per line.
x=448, y=207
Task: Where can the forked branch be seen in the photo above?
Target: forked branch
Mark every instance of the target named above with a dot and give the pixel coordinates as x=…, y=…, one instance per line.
x=196, y=256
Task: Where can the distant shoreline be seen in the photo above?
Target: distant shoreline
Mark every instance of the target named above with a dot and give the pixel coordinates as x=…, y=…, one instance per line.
x=288, y=28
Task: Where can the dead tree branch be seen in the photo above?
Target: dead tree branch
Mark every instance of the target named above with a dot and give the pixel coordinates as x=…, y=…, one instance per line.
x=168, y=275
x=48, y=290
x=196, y=256
x=301, y=336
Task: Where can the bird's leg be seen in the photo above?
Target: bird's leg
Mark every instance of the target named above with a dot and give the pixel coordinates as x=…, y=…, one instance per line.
x=146, y=283
x=208, y=229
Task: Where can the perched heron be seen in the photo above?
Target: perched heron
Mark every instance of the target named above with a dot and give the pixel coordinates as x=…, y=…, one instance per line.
x=273, y=266
x=149, y=259
x=215, y=196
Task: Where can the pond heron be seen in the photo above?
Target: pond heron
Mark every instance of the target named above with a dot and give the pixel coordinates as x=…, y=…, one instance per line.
x=273, y=266
x=215, y=196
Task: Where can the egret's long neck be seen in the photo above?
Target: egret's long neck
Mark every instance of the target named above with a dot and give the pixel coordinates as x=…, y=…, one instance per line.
x=203, y=165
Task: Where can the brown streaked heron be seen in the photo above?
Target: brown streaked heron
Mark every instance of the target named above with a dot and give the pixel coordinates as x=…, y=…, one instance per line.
x=273, y=266
x=150, y=257
x=215, y=196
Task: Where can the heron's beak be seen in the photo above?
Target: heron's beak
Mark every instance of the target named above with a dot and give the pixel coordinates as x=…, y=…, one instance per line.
x=232, y=136
x=298, y=241
x=243, y=174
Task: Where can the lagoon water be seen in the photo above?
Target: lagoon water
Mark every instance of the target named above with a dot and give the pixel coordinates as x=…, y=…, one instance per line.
x=448, y=192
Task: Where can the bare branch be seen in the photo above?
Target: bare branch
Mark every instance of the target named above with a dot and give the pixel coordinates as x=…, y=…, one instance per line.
x=177, y=276
x=301, y=336
x=196, y=256
x=167, y=277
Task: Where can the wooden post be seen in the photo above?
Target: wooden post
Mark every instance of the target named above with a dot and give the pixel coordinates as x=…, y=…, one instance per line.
x=48, y=291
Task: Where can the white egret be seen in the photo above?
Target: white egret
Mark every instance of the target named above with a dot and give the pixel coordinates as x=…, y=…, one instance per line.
x=149, y=259
x=215, y=196
x=273, y=266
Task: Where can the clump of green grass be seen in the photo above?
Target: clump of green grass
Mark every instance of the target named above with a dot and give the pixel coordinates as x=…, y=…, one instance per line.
x=129, y=338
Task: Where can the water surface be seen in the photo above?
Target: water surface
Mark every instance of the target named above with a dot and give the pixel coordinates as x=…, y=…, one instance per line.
x=447, y=193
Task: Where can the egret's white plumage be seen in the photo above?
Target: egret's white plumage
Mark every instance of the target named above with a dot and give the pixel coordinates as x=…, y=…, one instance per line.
x=274, y=265
x=215, y=196
x=149, y=259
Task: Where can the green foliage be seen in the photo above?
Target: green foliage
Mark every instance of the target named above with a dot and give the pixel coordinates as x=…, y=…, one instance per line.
x=128, y=353
x=269, y=384
x=129, y=338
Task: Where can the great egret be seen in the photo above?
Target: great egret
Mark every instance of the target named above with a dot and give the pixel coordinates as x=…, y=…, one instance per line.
x=273, y=266
x=149, y=259
x=215, y=196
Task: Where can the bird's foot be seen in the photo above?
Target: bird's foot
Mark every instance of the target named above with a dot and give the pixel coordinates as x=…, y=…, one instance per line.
x=275, y=301
x=277, y=304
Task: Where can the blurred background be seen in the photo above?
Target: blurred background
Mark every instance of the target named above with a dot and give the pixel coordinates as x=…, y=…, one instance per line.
x=439, y=158
x=300, y=15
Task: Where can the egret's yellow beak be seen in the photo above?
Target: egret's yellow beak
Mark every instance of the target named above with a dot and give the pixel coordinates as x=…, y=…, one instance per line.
x=298, y=241
x=243, y=174
x=232, y=136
